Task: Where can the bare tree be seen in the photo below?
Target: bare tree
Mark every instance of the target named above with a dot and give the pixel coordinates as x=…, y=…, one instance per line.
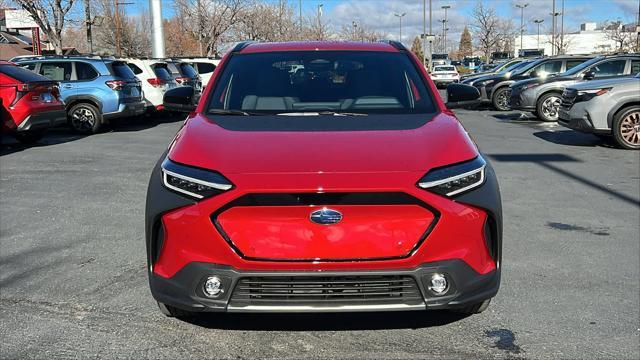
x=266, y=22
x=506, y=36
x=358, y=32
x=132, y=30
x=617, y=33
x=317, y=28
x=49, y=15
x=487, y=28
x=210, y=20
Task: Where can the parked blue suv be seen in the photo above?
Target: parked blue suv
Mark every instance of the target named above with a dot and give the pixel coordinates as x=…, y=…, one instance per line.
x=94, y=89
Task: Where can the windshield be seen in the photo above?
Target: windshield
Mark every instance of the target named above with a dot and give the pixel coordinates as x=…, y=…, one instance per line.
x=514, y=67
x=321, y=81
x=578, y=68
x=444, y=68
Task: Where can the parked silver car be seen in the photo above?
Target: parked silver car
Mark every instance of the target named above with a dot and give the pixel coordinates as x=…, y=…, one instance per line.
x=542, y=96
x=606, y=108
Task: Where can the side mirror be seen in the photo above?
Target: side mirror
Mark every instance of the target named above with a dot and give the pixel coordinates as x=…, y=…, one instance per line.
x=589, y=75
x=182, y=99
x=533, y=74
x=461, y=95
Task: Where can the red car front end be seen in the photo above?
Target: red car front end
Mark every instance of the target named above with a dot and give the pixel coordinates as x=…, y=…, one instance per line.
x=279, y=206
x=30, y=102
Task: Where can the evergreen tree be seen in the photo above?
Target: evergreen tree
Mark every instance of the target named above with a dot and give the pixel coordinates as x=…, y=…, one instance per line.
x=465, y=48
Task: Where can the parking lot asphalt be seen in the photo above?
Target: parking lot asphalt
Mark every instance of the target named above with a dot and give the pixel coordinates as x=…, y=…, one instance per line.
x=72, y=260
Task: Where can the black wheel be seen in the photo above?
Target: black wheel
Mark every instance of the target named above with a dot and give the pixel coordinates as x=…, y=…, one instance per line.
x=85, y=118
x=171, y=311
x=626, y=128
x=475, y=308
x=500, y=98
x=547, y=107
x=29, y=137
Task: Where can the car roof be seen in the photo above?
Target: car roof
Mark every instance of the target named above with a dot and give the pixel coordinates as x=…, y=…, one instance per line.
x=318, y=46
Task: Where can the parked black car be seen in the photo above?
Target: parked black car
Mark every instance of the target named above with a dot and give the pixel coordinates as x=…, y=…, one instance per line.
x=542, y=96
x=494, y=89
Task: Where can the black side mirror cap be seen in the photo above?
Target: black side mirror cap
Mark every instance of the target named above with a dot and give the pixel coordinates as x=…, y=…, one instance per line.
x=462, y=96
x=533, y=74
x=589, y=75
x=182, y=99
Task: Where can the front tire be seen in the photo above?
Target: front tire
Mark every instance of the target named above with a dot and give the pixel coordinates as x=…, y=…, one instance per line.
x=547, y=107
x=29, y=137
x=626, y=128
x=85, y=118
x=500, y=99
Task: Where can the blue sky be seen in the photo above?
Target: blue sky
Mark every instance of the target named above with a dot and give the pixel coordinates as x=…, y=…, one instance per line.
x=378, y=14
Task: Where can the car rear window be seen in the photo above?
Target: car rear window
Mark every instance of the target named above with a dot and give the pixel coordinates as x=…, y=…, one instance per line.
x=444, y=68
x=162, y=72
x=188, y=70
x=205, y=68
x=311, y=81
x=20, y=74
x=122, y=70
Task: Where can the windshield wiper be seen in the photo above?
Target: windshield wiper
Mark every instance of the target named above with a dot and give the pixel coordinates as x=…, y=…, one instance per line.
x=227, y=112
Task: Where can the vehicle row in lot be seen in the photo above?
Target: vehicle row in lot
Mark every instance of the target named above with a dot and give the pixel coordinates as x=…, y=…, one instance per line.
x=538, y=85
x=97, y=89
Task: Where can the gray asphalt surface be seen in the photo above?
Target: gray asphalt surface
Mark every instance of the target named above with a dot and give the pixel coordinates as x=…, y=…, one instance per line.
x=73, y=280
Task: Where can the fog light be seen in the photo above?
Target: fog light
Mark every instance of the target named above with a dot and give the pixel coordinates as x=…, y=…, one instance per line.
x=213, y=286
x=438, y=284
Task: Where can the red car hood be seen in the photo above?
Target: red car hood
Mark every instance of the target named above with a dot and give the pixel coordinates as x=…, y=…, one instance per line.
x=203, y=143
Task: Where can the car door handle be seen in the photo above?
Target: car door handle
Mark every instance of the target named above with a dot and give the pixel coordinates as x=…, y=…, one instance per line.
x=67, y=86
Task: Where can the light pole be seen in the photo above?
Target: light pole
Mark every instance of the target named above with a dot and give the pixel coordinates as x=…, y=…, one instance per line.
x=562, y=29
x=424, y=33
x=430, y=34
x=443, y=36
x=538, y=21
x=320, y=34
x=400, y=16
x=445, y=7
x=521, y=7
x=554, y=43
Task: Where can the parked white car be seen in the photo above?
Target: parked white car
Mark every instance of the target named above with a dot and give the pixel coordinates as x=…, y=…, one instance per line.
x=155, y=77
x=204, y=66
x=444, y=75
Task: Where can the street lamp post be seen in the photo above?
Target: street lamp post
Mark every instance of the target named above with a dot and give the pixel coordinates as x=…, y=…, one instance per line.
x=400, y=16
x=521, y=7
x=424, y=33
x=445, y=7
x=554, y=42
x=538, y=21
x=320, y=34
x=443, y=36
x=562, y=28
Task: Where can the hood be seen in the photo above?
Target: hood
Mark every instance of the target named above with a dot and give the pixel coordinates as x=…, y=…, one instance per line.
x=206, y=144
x=598, y=84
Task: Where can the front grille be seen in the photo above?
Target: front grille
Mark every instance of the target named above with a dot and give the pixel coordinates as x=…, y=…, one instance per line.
x=326, y=291
x=568, y=98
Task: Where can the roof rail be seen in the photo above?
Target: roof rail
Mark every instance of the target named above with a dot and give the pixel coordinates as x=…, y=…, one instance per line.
x=241, y=45
x=44, y=57
x=395, y=43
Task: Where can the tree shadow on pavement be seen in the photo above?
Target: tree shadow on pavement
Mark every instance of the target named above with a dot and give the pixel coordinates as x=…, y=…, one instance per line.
x=326, y=322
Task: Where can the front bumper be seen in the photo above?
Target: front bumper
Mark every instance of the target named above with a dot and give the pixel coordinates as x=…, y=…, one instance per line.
x=485, y=94
x=581, y=116
x=127, y=109
x=184, y=289
x=522, y=100
x=43, y=120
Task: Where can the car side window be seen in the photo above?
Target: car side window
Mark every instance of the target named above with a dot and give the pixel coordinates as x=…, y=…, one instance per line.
x=85, y=71
x=635, y=67
x=58, y=71
x=31, y=66
x=550, y=67
x=609, y=68
x=136, y=70
x=573, y=63
x=205, y=68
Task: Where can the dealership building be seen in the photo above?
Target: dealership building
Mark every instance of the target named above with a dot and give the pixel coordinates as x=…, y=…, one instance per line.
x=590, y=39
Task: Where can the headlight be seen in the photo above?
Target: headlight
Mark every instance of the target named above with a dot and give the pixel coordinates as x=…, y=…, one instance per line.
x=455, y=179
x=586, y=95
x=194, y=182
x=486, y=82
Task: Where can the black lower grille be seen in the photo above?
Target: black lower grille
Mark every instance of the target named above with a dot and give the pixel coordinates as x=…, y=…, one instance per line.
x=568, y=98
x=326, y=290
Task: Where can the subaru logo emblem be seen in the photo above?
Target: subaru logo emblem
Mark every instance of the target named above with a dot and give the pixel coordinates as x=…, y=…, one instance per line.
x=326, y=216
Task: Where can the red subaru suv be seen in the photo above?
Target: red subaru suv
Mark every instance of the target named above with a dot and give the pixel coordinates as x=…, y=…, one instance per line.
x=322, y=176
x=29, y=103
